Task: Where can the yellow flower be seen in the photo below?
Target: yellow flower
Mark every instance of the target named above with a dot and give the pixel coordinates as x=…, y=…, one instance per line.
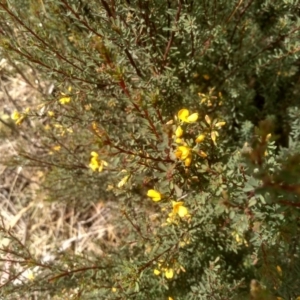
x=184, y=115
x=156, y=272
x=179, y=209
x=188, y=161
x=200, y=138
x=30, y=275
x=64, y=100
x=56, y=148
x=183, y=152
x=51, y=113
x=155, y=195
x=170, y=298
x=179, y=141
x=179, y=132
x=17, y=117
x=97, y=164
x=169, y=273
x=113, y=289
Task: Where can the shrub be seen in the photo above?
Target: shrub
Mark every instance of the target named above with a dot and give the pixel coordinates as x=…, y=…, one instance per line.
x=183, y=117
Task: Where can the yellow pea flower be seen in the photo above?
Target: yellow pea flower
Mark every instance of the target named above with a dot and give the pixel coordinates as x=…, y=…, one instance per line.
x=184, y=115
x=156, y=272
x=113, y=289
x=17, y=117
x=155, y=195
x=200, y=138
x=179, y=132
x=56, y=148
x=30, y=275
x=188, y=161
x=180, y=209
x=169, y=273
x=183, y=152
x=64, y=100
x=97, y=164
x=179, y=141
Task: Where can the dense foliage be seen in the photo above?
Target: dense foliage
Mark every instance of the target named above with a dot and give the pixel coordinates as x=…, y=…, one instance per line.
x=184, y=117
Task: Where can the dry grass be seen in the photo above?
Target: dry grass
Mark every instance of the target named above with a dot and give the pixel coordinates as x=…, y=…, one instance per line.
x=45, y=227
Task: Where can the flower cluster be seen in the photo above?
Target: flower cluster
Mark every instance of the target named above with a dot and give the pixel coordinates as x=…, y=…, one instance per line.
x=184, y=116
x=168, y=272
x=178, y=207
x=184, y=151
x=97, y=164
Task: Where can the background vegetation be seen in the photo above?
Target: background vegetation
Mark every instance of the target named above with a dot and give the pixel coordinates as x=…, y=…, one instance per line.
x=157, y=155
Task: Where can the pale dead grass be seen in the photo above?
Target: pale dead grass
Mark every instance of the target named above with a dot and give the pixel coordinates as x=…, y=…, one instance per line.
x=44, y=226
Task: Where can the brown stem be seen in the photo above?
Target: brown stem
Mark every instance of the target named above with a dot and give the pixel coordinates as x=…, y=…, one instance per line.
x=140, y=155
x=129, y=56
x=68, y=273
x=39, y=38
x=38, y=62
x=149, y=263
x=137, y=228
x=173, y=32
x=151, y=124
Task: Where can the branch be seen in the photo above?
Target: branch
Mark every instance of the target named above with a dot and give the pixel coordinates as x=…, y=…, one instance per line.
x=173, y=32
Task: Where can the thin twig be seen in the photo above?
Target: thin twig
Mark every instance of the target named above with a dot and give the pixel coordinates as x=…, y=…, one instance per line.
x=173, y=32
